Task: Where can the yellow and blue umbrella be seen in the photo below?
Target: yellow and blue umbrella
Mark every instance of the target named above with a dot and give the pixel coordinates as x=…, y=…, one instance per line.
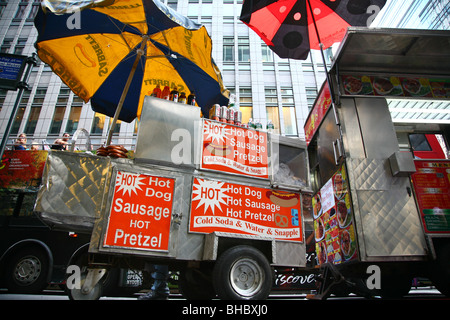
x=113, y=53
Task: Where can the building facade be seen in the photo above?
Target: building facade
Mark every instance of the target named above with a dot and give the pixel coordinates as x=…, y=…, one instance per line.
x=266, y=87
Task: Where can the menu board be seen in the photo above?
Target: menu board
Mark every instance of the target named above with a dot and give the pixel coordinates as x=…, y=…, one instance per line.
x=333, y=221
x=141, y=212
x=235, y=150
x=219, y=206
x=393, y=86
x=432, y=187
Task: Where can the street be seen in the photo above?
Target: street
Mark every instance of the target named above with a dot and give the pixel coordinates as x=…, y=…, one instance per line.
x=425, y=293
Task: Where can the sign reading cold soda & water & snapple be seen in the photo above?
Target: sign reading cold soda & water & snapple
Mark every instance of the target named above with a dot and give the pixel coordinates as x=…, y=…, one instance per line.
x=236, y=150
x=141, y=212
x=219, y=206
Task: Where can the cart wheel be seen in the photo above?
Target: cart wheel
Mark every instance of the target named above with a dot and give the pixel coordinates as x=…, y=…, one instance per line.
x=440, y=274
x=196, y=284
x=395, y=286
x=242, y=272
x=78, y=294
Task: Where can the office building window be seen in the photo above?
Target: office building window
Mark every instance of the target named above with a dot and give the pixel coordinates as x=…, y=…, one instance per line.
x=6, y=45
x=245, y=104
x=172, y=4
x=35, y=111
x=228, y=49
x=60, y=109
x=267, y=53
x=20, y=112
x=74, y=119
x=98, y=123
x=272, y=115
x=116, y=129
x=243, y=50
x=290, y=123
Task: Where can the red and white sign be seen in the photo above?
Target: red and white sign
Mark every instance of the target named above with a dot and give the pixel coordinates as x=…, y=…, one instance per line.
x=235, y=208
x=323, y=103
x=141, y=212
x=236, y=150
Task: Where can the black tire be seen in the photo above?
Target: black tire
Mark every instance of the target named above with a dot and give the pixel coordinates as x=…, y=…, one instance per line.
x=242, y=272
x=440, y=273
x=196, y=284
x=395, y=286
x=27, y=271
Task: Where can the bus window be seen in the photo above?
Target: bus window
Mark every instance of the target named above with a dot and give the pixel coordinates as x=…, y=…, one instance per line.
x=426, y=146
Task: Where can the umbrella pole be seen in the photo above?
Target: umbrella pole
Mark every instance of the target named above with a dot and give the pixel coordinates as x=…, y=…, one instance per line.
x=329, y=82
x=139, y=52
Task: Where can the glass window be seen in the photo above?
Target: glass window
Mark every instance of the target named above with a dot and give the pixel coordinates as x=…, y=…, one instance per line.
x=17, y=120
x=267, y=54
x=74, y=119
x=116, y=129
x=20, y=112
x=272, y=114
x=33, y=118
x=228, y=49
x=243, y=50
x=172, y=4
x=247, y=113
x=57, y=120
x=419, y=142
x=290, y=123
x=98, y=123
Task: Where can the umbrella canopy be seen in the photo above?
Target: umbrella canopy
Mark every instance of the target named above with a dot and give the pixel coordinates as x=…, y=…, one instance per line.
x=292, y=27
x=95, y=49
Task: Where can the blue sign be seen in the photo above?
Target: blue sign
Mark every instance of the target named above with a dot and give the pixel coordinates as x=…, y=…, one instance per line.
x=11, y=69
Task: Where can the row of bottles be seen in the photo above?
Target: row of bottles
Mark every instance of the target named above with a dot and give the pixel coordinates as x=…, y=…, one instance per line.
x=173, y=95
x=228, y=114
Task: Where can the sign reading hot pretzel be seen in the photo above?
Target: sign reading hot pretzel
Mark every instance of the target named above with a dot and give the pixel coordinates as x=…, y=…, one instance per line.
x=219, y=206
x=234, y=150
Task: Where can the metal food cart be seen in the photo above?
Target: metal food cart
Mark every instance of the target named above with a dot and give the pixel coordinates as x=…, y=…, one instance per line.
x=376, y=206
x=199, y=195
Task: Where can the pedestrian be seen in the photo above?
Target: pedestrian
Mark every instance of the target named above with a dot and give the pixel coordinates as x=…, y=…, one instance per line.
x=21, y=142
x=160, y=289
x=61, y=144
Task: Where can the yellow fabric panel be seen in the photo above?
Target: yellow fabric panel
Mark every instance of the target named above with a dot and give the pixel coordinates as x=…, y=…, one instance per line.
x=84, y=62
x=127, y=11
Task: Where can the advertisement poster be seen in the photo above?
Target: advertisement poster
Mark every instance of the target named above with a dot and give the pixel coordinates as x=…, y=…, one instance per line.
x=432, y=187
x=333, y=223
x=141, y=212
x=22, y=169
x=396, y=86
x=236, y=150
x=235, y=208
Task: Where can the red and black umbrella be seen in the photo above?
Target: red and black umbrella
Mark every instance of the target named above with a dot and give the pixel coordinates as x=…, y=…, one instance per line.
x=292, y=27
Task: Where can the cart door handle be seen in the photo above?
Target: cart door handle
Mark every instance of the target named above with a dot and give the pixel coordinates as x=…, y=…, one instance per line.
x=176, y=217
x=337, y=150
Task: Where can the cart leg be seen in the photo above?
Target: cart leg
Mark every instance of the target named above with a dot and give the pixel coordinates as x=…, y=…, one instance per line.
x=328, y=278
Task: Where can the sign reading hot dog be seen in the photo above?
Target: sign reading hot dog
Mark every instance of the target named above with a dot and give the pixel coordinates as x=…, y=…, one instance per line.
x=233, y=149
x=141, y=212
x=241, y=209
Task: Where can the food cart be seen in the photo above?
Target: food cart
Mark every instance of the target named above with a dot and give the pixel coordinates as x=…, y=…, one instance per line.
x=198, y=195
x=381, y=206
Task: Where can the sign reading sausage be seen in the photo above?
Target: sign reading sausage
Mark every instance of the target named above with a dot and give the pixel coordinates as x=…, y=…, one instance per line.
x=236, y=150
x=235, y=208
x=141, y=212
